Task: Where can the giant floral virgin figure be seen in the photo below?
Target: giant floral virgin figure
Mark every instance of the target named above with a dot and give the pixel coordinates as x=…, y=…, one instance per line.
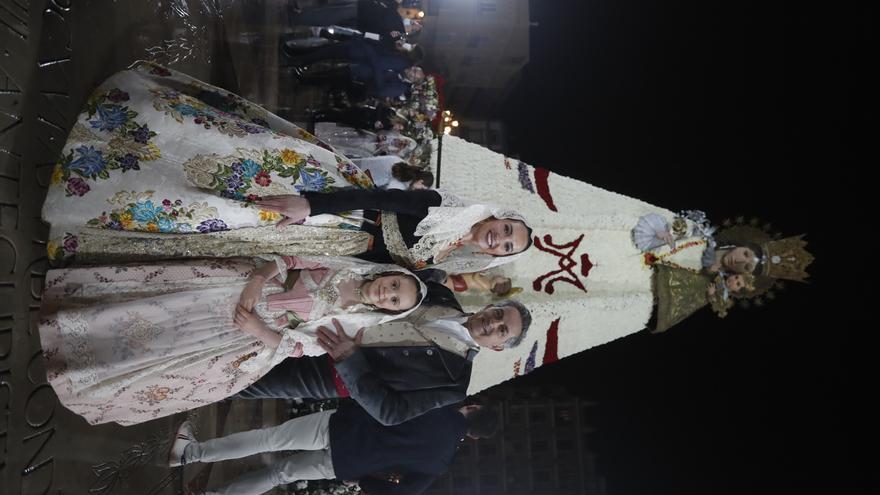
x=605, y=265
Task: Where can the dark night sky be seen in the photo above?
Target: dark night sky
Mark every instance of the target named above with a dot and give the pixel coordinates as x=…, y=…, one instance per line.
x=737, y=109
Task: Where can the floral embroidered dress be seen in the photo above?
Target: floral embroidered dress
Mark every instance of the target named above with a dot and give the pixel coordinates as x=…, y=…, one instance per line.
x=129, y=344
x=155, y=151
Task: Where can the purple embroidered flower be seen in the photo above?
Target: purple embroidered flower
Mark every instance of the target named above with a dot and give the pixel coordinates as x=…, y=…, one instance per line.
x=89, y=163
x=260, y=122
x=109, y=117
x=128, y=162
x=70, y=243
x=212, y=225
x=141, y=134
x=116, y=95
x=249, y=128
x=114, y=225
x=234, y=181
x=160, y=71
x=524, y=180
x=237, y=169
x=77, y=187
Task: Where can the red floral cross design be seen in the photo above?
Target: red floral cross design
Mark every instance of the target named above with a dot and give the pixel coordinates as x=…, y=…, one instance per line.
x=566, y=263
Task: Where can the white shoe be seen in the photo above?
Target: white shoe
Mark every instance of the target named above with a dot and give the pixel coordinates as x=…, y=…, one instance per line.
x=181, y=439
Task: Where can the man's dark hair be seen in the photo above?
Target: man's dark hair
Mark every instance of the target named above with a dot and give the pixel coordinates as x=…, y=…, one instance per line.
x=483, y=422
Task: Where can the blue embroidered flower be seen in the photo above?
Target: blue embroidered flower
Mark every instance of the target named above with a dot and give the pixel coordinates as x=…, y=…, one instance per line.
x=165, y=225
x=128, y=162
x=89, y=163
x=212, y=225
x=250, y=168
x=141, y=134
x=109, y=117
x=185, y=109
x=145, y=211
x=311, y=181
x=184, y=227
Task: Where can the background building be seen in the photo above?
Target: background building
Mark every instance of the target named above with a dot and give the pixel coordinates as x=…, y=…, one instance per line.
x=544, y=448
x=480, y=47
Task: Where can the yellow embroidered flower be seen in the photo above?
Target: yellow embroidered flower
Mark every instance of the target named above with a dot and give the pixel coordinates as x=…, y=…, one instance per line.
x=125, y=220
x=290, y=157
x=52, y=250
x=57, y=175
x=152, y=227
x=269, y=216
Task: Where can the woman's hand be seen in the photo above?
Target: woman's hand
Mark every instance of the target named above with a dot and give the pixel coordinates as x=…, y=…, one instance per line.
x=294, y=208
x=252, y=324
x=249, y=322
x=711, y=290
x=252, y=292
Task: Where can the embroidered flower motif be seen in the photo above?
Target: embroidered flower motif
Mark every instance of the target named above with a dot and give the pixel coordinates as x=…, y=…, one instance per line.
x=160, y=71
x=269, y=216
x=153, y=394
x=77, y=187
x=141, y=134
x=212, y=225
x=116, y=95
x=110, y=117
x=89, y=163
x=249, y=168
x=128, y=162
x=145, y=211
x=311, y=181
x=263, y=179
x=290, y=157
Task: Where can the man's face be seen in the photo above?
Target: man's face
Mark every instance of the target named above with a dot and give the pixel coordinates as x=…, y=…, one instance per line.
x=414, y=73
x=494, y=326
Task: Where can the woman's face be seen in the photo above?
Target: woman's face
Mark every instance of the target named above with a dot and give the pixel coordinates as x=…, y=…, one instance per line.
x=501, y=237
x=739, y=260
x=392, y=292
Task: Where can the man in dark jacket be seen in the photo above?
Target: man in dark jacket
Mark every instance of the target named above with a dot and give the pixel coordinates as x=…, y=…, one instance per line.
x=346, y=444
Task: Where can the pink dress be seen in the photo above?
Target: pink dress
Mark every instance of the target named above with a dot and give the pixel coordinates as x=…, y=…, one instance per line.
x=132, y=343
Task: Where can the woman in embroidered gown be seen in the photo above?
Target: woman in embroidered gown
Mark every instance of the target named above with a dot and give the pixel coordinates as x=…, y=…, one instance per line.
x=133, y=343
x=160, y=165
x=155, y=151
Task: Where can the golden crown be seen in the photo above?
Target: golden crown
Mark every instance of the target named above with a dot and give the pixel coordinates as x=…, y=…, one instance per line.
x=786, y=258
